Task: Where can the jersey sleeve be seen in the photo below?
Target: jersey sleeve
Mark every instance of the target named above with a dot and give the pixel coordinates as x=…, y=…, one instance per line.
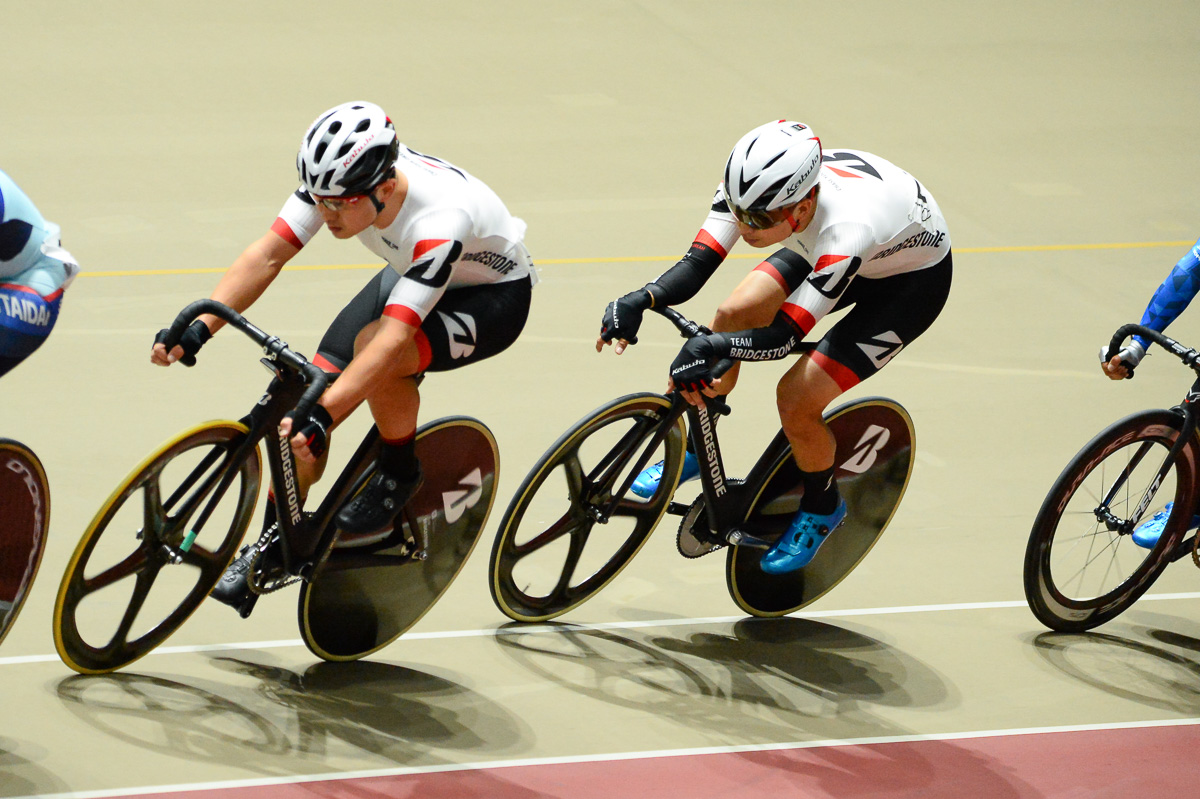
x=839, y=254
x=298, y=220
x=684, y=280
x=1174, y=295
x=438, y=244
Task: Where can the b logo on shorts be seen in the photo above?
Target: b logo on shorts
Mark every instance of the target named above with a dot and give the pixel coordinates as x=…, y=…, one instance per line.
x=460, y=328
x=882, y=348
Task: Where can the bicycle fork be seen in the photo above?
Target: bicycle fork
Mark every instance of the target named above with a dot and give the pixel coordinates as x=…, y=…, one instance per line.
x=1125, y=526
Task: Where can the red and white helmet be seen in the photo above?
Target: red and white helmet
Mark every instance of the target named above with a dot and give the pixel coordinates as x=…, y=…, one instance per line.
x=350, y=149
x=774, y=165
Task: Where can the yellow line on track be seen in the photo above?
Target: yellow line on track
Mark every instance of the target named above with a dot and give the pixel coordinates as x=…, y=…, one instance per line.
x=1133, y=245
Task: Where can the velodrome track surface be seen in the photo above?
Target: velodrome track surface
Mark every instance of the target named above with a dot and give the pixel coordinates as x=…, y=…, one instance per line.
x=1057, y=141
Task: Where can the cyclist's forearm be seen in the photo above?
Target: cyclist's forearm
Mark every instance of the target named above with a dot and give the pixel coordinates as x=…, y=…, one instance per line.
x=768, y=343
x=1174, y=295
x=250, y=275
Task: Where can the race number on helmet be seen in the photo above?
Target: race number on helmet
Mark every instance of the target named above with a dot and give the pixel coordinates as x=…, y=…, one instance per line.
x=774, y=165
x=350, y=149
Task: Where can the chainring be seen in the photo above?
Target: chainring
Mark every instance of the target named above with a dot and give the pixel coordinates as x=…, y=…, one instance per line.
x=259, y=582
x=693, y=542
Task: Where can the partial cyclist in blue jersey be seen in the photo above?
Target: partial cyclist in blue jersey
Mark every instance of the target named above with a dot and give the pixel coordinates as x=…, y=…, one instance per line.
x=1168, y=302
x=34, y=272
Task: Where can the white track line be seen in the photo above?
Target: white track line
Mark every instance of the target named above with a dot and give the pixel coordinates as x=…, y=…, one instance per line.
x=613, y=625
x=605, y=758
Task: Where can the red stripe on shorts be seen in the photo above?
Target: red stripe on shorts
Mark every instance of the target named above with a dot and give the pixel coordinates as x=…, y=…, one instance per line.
x=841, y=375
x=767, y=268
x=325, y=365
x=424, y=351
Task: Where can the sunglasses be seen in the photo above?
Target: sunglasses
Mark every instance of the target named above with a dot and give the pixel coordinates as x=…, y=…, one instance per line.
x=758, y=220
x=337, y=204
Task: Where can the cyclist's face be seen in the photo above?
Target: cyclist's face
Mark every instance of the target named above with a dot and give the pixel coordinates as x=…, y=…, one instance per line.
x=788, y=220
x=346, y=216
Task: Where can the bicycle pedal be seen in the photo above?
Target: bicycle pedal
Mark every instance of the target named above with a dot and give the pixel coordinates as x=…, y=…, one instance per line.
x=246, y=606
x=737, y=538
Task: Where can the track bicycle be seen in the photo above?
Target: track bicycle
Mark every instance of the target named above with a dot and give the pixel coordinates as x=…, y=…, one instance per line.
x=24, y=523
x=574, y=524
x=165, y=536
x=1082, y=567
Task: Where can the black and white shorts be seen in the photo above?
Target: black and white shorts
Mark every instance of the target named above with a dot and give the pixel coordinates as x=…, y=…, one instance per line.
x=888, y=314
x=467, y=325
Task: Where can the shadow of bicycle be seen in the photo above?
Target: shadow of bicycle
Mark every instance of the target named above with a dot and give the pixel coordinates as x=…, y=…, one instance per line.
x=1151, y=666
x=286, y=722
x=767, y=676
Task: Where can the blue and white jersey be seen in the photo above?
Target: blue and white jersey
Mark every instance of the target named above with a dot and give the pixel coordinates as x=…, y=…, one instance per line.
x=30, y=252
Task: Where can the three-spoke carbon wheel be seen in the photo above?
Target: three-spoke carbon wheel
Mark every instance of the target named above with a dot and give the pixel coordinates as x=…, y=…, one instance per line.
x=1082, y=567
x=570, y=529
x=139, y=571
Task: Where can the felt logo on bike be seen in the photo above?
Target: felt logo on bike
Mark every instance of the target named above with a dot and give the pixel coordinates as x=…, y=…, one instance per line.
x=458, y=502
x=867, y=449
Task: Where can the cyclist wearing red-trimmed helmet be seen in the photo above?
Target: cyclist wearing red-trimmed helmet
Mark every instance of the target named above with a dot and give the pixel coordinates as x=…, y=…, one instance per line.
x=456, y=290
x=348, y=150
x=856, y=232
x=772, y=166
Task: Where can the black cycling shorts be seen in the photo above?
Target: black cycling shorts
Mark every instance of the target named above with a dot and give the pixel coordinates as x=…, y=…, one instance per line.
x=467, y=324
x=888, y=314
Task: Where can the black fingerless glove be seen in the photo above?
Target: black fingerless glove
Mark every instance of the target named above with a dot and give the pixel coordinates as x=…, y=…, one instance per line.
x=192, y=340
x=692, y=368
x=314, y=426
x=623, y=316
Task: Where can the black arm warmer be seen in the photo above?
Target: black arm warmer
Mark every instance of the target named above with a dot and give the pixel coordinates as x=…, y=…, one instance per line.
x=760, y=344
x=685, y=279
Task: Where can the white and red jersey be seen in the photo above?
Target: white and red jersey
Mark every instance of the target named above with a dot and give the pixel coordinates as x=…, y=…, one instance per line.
x=452, y=231
x=873, y=220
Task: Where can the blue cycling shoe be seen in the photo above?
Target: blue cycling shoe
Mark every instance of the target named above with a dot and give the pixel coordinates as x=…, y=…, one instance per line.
x=647, y=482
x=1147, y=533
x=796, y=548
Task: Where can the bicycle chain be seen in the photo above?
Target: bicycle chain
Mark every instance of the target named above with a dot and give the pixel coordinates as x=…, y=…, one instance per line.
x=254, y=575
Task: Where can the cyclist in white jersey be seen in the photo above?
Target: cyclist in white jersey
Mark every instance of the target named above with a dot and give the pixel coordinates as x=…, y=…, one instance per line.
x=456, y=289
x=34, y=272
x=855, y=230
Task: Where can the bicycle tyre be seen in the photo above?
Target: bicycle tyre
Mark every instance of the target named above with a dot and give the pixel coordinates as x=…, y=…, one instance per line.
x=215, y=440
x=639, y=415
x=360, y=601
x=24, y=523
x=1047, y=569
x=876, y=445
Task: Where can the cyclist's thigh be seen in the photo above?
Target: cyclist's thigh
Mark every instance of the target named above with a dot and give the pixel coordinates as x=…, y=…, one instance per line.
x=26, y=319
x=473, y=323
x=888, y=314
x=337, y=346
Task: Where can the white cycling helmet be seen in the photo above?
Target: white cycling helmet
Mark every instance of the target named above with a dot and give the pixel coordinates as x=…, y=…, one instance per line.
x=774, y=165
x=350, y=149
